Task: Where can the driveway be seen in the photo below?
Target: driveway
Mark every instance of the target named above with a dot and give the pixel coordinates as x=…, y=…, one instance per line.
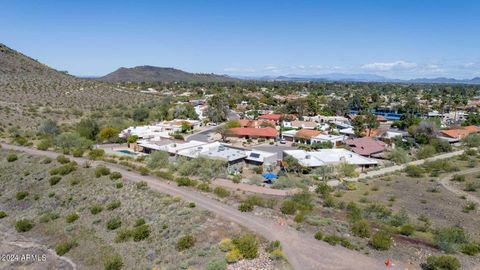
x=301, y=249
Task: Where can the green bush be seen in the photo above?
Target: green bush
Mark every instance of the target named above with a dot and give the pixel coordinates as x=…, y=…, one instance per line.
x=141, y=232
x=221, y=192
x=158, y=159
x=471, y=249
x=407, y=229
x=319, y=235
x=113, y=263
x=233, y=256
x=362, y=229
x=11, y=157
x=114, y=223
x=186, y=182
x=115, y=175
x=144, y=171
x=448, y=239
x=96, y=208
x=96, y=153
x=113, y=205
x=3, y=214
x=139, y=222
x=382, y=240
x=216, y=264
x=119, y=185
x=414, y=171
x=185, y=242
x=204, y=187
x=289, y=207
x=299, y=218
x=64, y=247
x=44, y=144
x=21, y=195
x=443, y=262
x=71, y=217
x=226, y=245
x=123, y=235
x=63, y=159
x=77, y=152
x=101, y=170
x=23, y=225
x=142, y=185
x=458, y=178
x=54, y=180
x=247, y=245
x=165, y=175
x=245, y=207
x=64, y=169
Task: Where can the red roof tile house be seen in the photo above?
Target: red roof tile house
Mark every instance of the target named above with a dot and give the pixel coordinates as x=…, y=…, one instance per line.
x=253, y=133
x=366, y=146
x=305, y=136
x=460, y=133
x=256, y=123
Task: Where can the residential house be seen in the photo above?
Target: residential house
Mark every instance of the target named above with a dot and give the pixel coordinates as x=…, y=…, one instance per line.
x=459, y=133
x=335, y=140
x=367, y=146
x=306, y=136
x=258, y=157
x=253, y=133
x=329, y=157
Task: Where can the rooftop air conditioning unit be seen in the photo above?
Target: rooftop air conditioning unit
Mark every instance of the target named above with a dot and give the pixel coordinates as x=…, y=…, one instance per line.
x=308, y=156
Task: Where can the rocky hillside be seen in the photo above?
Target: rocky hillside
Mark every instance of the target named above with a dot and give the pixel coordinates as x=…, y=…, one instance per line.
x=160, y=74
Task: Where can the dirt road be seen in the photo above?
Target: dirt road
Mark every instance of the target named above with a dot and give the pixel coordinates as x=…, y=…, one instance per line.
x=446, y=183
x=302, y=250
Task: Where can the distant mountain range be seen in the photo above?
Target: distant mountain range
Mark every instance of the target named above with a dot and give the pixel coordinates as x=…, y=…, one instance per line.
x=342, y=77
x=161, y=74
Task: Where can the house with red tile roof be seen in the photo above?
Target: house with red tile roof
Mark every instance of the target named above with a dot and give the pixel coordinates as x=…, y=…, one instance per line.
x=272, y=116
x=253, y=133
x=366, y=146
x=305, y=136
x=460, y=133
x=256, y=123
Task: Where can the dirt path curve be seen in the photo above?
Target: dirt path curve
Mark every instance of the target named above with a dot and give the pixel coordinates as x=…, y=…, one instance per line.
x=446, y=183
x=302, y=250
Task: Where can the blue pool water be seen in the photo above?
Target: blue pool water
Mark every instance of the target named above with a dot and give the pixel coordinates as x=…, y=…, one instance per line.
x=127, y=152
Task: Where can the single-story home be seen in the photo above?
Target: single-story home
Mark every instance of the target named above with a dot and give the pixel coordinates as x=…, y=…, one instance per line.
x=253, y=133
x=329, y=157
x=460, y=133
x=257, y=157
x=297, y=124
x=367, y=146
x=336, y=140
x=306, y=136
x=288, y=135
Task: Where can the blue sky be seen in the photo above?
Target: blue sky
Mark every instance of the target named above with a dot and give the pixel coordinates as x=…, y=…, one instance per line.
x=395, y=38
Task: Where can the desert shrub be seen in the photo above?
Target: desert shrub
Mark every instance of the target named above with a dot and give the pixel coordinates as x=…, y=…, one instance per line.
x=362, y=229
x=303, y=200
x=471, y=186
x=113, y=205
x=119, y=185
x=472, y=140
x=186, y=182
x=245, y=207
x=247, y=245
x=139, y=222
x=54, y=180
x=96, y=208
x=64, y=169
x=71, y=140
x=101, y=170
x=77, y=152
x=63, y=159
x=141, y=232
x=3, y=214
x=414, y=171
x=185, y=242
x=323, y=189
x=226, y=245
x=354, y=213
x=64, y=247
x=23, y=225
x=123, y=235
x=444, y=262
x=407, y=229
x=398, y=155
x=96, y=153
x=115, y=175
x=289, y=207
x=113, y=263
x=347, y=170
x=458, y=178
x=382, y=240
x=221, y=192
x=233, y=256
x=400, y=218
x=328, y=201
x=141, y=185
x=165, y=175
x=45, y=218
x=114, y=223
x=258, y=169
x=276, y=254
x=216, y=264
x=11, y=157
x=377, y=211
x=158, y=159
x=470, y=206
x=71, y=217
x=21, y=195
x=448, y=239
x=471, y=249
x=44, y=144
x=144, y=170
x=426, y=151
x=299, y=218
x=318, y=235
x=204, y=187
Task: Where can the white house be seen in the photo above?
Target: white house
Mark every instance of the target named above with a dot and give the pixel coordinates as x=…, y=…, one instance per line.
x=326, y=157
x=334, y=139
x=258, y=157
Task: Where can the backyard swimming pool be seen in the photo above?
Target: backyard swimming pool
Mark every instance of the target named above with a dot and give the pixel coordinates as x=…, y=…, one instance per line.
x=127, y=152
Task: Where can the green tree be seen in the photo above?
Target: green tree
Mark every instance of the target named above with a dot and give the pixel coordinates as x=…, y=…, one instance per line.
x=88, y=128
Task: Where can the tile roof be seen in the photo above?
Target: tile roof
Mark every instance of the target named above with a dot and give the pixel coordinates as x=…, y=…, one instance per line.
x=307, y=133
x=459, y=133
x=257, y=132
x=271, y=116
x=366, y=146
